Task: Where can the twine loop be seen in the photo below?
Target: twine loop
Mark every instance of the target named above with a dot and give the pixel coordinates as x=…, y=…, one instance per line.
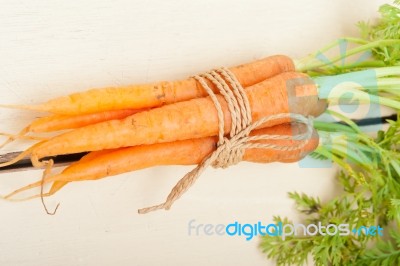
x=230, y=150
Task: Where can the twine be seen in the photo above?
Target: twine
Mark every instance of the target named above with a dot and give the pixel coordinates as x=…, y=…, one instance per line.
x=230, y=150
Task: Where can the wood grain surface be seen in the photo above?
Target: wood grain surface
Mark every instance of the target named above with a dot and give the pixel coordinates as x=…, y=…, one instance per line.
x=50, y=48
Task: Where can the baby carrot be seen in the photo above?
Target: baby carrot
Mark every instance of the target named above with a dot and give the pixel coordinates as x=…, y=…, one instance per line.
x=97, y=165
x=156, y=94
x=184, y=120
x=63, y=122
x=57, y=185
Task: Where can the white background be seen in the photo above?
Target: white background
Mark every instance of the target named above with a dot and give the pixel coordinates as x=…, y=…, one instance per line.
x=52, y=48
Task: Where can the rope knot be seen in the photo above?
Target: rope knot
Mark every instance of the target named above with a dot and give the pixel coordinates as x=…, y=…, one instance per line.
x=230, y=150
x=227, y=154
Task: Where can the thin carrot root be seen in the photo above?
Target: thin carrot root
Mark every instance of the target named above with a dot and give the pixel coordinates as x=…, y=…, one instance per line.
x=44, y=195
x=34, y=158
x=49, y=164
x=22, y=189
x=20, y=135
x=57, y=185
x=11, y=138
x=45, y=179
x=54, y=189
x=40, y=108
x=19, y=158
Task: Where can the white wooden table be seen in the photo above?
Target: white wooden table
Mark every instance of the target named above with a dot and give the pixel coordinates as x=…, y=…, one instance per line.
x=52, y=48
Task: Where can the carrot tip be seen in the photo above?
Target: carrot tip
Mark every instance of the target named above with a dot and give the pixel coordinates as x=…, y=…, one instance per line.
x=24, y=107
x=31, y=186
x=17, y=158
x=22, y=189
x=12, y=137
x=10, y=198
x=9, y=140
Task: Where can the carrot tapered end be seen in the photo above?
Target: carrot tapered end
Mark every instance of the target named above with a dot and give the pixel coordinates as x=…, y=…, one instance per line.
x=40, y=108
x=17, y=158
x=20, y=135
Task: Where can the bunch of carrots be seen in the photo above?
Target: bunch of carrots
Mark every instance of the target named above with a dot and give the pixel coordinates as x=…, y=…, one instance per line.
x=139, y=126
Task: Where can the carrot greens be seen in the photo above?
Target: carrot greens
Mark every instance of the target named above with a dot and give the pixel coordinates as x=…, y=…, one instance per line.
x=369, y=166
x=376, y=52
x=371, y=191
x=378, y=46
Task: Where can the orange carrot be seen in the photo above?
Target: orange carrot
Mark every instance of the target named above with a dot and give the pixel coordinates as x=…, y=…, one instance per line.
x=88, y=157
x=155, y=94
x=184, y=120
x=97, y=165
x=63, y=122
